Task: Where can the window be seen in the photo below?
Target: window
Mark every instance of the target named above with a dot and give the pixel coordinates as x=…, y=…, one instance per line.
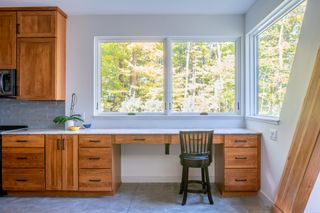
x=146, y=76
x=275, y=47
x=203, y=76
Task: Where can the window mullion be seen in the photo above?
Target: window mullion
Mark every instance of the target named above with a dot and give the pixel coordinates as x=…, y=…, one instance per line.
x=168, y=76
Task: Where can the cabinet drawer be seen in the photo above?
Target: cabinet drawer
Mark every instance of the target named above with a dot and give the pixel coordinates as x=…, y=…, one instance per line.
x=241, y=158
x=217, y=139
x=23, y=179
x=241, y=180
x=23, y=157
x=141, y=139
x=23, y=141
x=241, y=141
x=95, y=158
x=95, y=141
x=95, y=180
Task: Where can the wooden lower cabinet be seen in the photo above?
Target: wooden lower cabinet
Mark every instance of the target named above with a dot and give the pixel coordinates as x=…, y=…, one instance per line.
x=95, y=180
x=237, y=165
x=62, y=162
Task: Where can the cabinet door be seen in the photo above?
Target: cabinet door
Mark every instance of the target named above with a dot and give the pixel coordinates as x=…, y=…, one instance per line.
x=36, y=24
x=53, y=162
x=36, y=68
x=8, y=40
x=70, y=163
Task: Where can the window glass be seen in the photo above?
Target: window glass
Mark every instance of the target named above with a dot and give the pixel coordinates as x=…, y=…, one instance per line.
x=204, y=77
x=276, y=49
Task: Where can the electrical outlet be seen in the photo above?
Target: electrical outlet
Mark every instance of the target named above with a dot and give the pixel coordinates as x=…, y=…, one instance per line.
x=273, y=134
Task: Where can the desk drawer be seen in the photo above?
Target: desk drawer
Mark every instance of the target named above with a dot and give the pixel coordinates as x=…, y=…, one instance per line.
x=241, y=141
x=23, y=141
x=95, y=180
x=23, y=179
x=141, y=139
x=95, y=158
x=241, y=158
x=217, y=139
x=23, y=157
x=95, y=141
x=241, y=180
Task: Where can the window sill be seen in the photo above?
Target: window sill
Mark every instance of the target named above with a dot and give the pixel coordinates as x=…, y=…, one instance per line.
x=168, y=117
x=269, y=120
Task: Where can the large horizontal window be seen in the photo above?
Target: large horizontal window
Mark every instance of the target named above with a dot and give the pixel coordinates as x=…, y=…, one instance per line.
x=275, y=47
x=164, y=76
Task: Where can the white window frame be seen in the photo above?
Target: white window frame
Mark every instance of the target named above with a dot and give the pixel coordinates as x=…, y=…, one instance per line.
x=167, y=42
x=252, y=61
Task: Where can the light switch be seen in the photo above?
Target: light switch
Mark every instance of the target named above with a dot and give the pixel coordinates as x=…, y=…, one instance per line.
x=273, y=134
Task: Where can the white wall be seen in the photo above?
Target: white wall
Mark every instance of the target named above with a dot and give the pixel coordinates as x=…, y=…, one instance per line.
x=147, y=162
x=274, y=154
x=313, y=205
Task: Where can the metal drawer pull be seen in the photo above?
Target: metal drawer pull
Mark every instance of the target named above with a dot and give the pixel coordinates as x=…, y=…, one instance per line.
x=241, y=158
x=241, y=180
x=21, y=180
x=139, y=139
x=93, y=180
x=94, y=158
x=22, y=158
x=21, y=141
x=240, y=141
x=94, y=141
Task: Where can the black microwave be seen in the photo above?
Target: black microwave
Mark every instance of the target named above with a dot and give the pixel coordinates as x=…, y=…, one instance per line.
x=7, y=83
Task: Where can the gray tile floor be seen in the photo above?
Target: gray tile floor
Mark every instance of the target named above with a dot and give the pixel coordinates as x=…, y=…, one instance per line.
x=147, y=197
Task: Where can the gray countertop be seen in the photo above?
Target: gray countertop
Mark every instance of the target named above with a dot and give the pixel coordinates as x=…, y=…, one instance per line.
x=128, y=131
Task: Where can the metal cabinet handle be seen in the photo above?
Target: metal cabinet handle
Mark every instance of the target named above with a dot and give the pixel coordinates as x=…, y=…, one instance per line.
x=21, y=158
x=240, y=141
x=241, y=180
x=62, y=144
x=58, y=144
x=94, y=158
x=94, y=180
x=241, y=158
x=139, y=139
x=21, y=180
x=21, y=141
x=94, y=141
x=18, y=28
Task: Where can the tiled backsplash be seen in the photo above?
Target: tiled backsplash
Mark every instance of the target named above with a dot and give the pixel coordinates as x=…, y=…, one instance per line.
x=35, y=114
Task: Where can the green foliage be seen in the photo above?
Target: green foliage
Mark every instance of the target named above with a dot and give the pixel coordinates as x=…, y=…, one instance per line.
x=61, y=119
x=276, y=50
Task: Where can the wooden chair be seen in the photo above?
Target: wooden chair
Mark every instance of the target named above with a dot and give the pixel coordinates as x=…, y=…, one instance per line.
x=196, y=152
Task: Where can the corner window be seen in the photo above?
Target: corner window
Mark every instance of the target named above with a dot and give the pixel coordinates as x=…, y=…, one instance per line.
x=275, y=47
x=165, y=76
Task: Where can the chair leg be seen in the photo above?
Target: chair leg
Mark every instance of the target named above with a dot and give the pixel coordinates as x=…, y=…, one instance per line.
x=182, y=180
x=185, y=185
x=203, y=180
x=208, y=186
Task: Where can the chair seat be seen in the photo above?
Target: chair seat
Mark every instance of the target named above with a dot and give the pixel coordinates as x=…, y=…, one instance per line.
x=195, y=160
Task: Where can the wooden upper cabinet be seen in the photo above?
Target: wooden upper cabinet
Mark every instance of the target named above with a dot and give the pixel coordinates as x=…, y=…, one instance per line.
x=36, y=68
x=8, y=40
x=36, y=24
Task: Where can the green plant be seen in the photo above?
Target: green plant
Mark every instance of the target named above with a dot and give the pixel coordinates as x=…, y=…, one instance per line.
x=61, y=119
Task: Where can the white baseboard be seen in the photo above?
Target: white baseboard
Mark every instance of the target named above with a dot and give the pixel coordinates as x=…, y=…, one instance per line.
x=265, y=198
x=162, y=179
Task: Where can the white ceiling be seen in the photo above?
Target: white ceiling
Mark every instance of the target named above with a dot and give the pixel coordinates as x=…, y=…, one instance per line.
x=90, y=7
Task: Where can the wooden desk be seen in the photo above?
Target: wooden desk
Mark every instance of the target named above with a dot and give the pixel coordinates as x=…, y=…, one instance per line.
x=96, y=160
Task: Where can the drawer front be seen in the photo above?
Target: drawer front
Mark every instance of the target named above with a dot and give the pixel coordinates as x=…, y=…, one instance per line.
x=95, y=141
x=241, y=158
x=141, y=139
x=23, y=141
x=95, y=180
x=23, y=179
x=241, y=140
x=23, y=157
x=95, y=158
x=217, y=139
x=241, y=180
